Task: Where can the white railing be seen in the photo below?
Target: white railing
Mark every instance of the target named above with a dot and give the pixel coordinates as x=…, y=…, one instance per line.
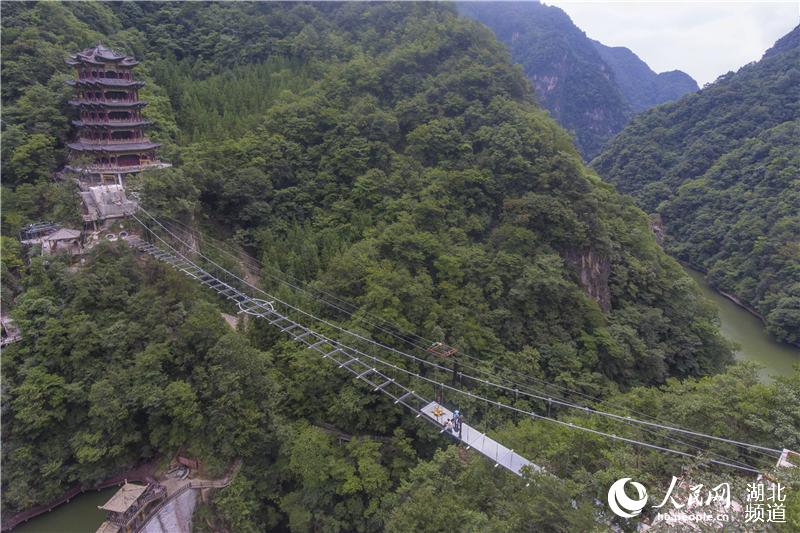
x=192, y=485
x=117, y=169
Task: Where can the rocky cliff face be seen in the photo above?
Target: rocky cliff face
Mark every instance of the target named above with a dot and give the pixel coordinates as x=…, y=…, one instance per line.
x=592, y=90
x=657, y=227
x=593, y=272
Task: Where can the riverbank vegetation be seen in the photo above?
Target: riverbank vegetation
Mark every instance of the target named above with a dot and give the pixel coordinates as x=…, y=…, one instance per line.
x=721, y=168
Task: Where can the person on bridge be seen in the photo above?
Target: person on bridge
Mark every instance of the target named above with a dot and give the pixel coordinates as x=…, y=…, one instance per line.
x=458, y=419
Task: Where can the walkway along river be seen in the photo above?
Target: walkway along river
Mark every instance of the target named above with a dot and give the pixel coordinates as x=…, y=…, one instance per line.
x=748, y=331
x=81, y=514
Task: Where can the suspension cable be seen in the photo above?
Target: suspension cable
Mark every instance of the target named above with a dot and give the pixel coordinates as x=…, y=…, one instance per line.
x=472, y=395
x=519, y=387
x=488, y=383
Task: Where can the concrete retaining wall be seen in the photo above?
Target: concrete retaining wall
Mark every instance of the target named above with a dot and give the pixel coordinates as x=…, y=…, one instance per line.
x=175, y=516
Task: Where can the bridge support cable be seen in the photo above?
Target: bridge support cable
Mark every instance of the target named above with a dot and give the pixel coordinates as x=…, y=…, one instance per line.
x=519, y=389
x=339, y=347
x=328, y=299
x=688, y=438
x=343, y=356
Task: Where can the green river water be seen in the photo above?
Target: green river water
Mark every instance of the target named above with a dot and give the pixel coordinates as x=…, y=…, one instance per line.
x=748, y=331
x=81, y=514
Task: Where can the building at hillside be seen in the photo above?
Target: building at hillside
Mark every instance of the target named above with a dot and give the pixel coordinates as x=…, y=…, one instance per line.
x=9, y=332
x=103, y=202
x=129, y=507
x=52, y=238
x=112, y=140
x=63, y=241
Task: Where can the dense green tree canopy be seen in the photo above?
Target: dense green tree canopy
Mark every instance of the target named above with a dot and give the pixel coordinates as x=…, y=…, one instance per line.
x=396, y=160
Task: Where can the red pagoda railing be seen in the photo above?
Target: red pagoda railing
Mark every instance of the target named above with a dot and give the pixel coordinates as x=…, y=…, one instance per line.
x=124, y=121
x=103, y=142
x=102, y=101
x=105, y=100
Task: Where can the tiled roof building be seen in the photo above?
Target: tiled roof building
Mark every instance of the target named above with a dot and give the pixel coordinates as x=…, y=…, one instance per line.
x=111, y=128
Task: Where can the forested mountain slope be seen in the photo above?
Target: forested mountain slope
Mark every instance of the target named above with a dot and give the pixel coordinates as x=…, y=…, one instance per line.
x=397, y=161
x=591, y=90
x=641, y=87
x=721, y=168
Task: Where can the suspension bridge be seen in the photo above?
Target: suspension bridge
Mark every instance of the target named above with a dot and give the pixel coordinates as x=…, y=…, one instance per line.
x=382, y=376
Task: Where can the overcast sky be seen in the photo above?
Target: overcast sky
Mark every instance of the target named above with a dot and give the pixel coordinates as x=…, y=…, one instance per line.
x=703, y=39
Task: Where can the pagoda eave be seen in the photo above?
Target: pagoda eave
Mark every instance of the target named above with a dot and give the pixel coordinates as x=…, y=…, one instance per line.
x=116, y=148
x=82, y=61
x=86, y=61
x=107, y=82
x=108, y=103
x=99, y=55
x=113, y=125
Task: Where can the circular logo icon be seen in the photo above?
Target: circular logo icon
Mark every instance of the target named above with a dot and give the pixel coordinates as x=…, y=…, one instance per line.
x=621, y=504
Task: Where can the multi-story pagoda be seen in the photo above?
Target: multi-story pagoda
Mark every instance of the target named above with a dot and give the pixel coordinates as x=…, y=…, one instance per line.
x=111, y=130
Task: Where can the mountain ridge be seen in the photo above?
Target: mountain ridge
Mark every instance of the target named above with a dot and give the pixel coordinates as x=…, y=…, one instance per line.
x=589, y=88
x=720, y=168
x=642, y=86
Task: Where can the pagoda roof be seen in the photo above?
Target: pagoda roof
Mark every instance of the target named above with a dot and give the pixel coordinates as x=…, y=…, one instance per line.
x=63, y=234
x=107, y=82
x=107, y=103
x=122, y=500
x=122, y=147
x=112, y=123
x=99, y=55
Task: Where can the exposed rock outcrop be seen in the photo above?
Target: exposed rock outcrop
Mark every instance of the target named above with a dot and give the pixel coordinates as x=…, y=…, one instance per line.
x=593, y=273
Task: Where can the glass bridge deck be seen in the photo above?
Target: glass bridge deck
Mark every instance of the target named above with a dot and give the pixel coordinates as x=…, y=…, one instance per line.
x=480, y=442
